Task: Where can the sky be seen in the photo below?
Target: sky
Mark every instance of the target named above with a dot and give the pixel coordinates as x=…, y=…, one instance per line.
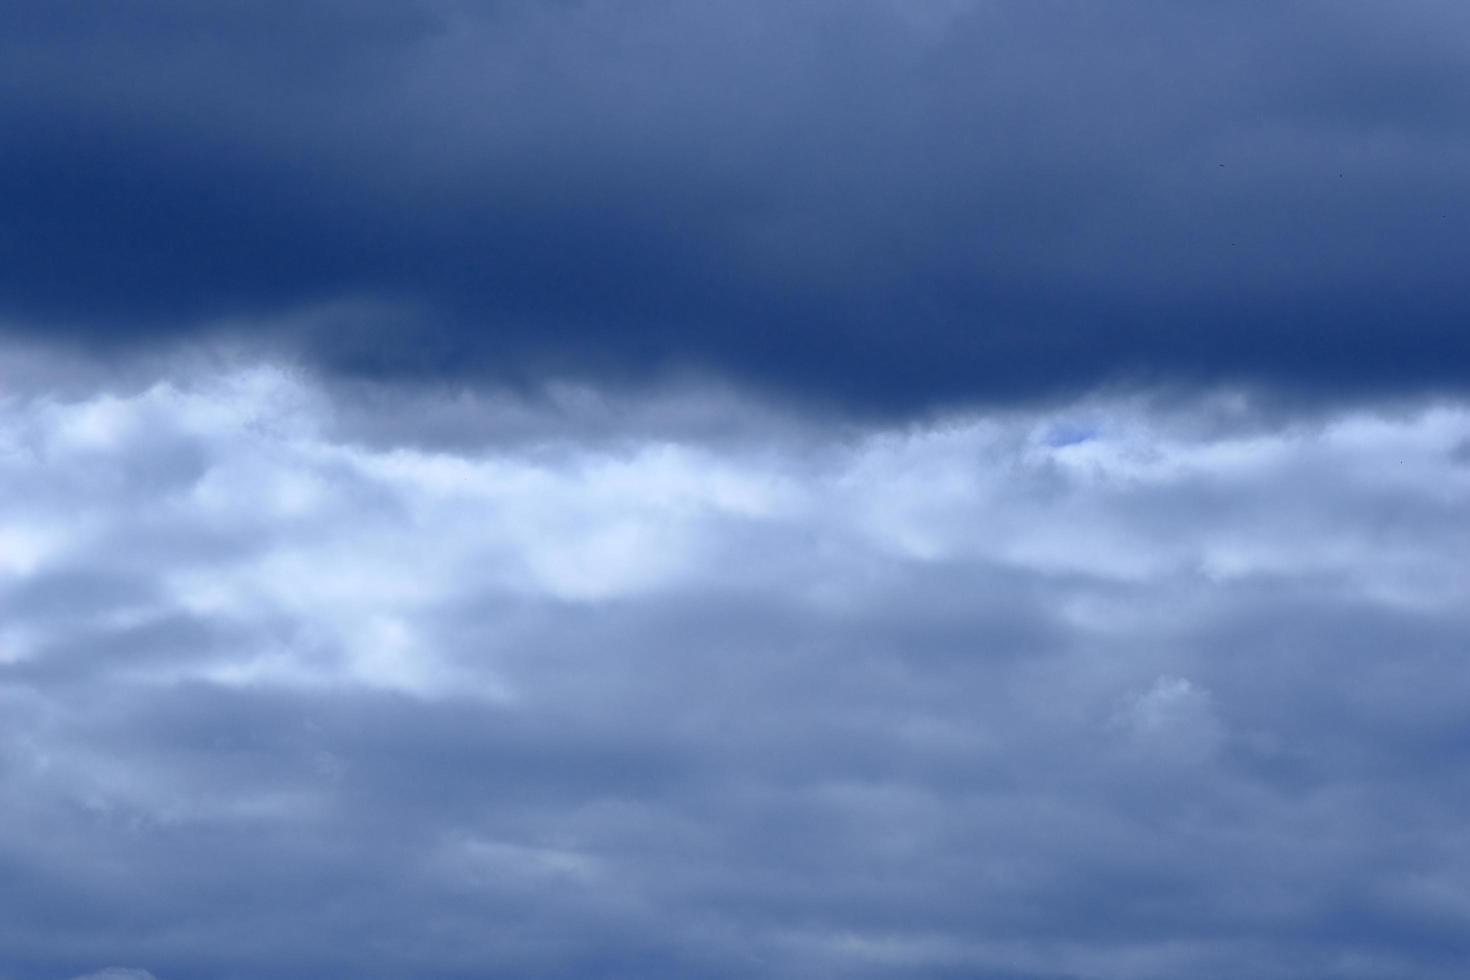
x=877, y=489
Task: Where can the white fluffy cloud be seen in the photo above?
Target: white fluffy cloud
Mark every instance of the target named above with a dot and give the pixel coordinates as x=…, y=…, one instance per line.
x=1103, y=690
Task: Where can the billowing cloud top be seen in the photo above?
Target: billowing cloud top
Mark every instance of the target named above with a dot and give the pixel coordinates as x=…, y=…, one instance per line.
x=886, y=204
x=1105, y=692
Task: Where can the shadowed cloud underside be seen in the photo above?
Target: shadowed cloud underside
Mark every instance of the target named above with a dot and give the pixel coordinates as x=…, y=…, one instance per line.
x=879, y=205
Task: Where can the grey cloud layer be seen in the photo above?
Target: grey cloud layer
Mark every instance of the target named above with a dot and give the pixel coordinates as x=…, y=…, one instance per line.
x=848, y=526
x=1103, y=692
x=888, y=205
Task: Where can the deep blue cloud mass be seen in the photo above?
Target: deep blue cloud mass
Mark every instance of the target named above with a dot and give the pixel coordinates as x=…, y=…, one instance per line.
x=878, y=489
x=891, y=205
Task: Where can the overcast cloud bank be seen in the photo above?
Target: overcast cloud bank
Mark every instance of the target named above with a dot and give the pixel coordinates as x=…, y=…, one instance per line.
x=879, y=205
x=770, y=489
x=1105, y=691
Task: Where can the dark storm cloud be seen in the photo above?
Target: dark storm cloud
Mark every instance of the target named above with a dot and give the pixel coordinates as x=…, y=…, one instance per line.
x=890, y=204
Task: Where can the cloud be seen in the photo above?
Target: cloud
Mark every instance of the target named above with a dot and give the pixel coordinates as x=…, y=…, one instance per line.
x=291, y=685
x=838, y=488
x=849, y=203
x=1173, y=718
